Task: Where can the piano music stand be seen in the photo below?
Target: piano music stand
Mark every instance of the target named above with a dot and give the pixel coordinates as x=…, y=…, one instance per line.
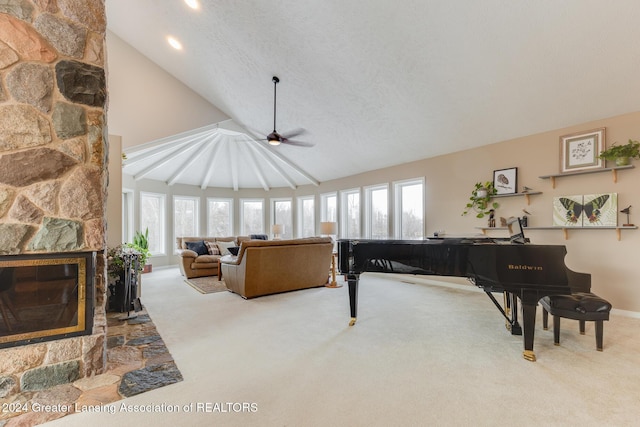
x=516, y=231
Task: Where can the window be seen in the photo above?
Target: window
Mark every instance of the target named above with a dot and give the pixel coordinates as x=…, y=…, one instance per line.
x=306, y=216
x=127, y=215
x=152, y=214
x=281, y=213
x=251, y=216
x=350, y=213
x=409, y=209
x=186, y=218
x=376, y=212
x=329, y=207
x=219, y=217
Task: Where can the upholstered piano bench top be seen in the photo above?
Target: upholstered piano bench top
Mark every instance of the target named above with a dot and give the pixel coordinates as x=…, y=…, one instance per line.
x=581, y=306
x=578, y=306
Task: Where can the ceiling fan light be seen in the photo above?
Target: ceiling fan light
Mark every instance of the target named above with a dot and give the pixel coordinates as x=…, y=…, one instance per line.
x=273, y=138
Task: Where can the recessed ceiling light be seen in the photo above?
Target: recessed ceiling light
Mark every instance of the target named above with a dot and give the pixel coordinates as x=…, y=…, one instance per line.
x=193, y=4
x=174, y=43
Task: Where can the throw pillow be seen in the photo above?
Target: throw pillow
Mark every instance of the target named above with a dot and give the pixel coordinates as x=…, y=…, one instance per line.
x=234, y=250
x=224, y=247
x=198, y=247
x=212, y=247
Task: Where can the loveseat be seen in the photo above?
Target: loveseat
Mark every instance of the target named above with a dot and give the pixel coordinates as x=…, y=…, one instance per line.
x=274, y=266
x=196, y=260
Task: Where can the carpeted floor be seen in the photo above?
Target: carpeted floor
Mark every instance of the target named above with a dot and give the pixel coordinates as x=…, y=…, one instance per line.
x=420, y=354
x=206, y=285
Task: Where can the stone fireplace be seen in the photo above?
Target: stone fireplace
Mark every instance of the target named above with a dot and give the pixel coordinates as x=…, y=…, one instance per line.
x=53, y=178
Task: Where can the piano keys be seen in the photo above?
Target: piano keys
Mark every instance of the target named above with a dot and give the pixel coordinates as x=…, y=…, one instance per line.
x=526, y=272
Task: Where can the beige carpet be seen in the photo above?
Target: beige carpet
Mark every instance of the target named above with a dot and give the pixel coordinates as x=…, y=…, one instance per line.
x=206, y=285
x=420, y=354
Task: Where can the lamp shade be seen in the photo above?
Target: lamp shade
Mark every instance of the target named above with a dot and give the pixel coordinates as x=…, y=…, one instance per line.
x=329, y=228
x=277, y=228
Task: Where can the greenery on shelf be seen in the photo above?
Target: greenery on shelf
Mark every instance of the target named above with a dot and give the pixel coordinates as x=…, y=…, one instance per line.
x=629, y=150
x=480, y=200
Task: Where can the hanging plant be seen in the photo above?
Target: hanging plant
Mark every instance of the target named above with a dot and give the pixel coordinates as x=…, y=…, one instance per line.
x=480, y=200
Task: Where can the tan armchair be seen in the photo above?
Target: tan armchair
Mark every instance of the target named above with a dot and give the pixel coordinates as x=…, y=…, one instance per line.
x=195, y=265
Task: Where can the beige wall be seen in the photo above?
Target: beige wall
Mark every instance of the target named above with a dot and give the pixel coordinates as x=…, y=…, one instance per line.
x=450, y=178
x=138, y=94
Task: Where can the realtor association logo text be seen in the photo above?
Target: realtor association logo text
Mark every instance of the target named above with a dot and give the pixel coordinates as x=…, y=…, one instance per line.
x=525, y=267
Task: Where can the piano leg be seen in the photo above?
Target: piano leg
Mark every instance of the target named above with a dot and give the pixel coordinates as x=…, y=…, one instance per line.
x=515, y=326
x=529, y=304
x=352, y=279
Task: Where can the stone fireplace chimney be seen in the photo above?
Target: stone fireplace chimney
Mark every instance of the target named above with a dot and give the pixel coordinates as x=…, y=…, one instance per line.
x=53, y=165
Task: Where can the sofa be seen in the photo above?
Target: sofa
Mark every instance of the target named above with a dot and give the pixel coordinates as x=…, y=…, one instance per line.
x=197, y=260
x=274, y=266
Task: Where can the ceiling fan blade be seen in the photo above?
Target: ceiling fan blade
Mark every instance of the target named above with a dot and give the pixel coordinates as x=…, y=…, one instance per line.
x=297, y=143
x=293, y=133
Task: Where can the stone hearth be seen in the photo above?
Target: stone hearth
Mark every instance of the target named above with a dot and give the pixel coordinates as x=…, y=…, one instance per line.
x=137, y=361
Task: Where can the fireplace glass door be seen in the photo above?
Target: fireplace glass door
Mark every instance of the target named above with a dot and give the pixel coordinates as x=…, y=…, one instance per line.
x=44, y=296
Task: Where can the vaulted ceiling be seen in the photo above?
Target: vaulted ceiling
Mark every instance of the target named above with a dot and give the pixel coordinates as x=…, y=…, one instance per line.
x=378, y=83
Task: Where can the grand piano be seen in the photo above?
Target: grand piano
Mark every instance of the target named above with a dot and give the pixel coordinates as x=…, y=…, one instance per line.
x=526, y=272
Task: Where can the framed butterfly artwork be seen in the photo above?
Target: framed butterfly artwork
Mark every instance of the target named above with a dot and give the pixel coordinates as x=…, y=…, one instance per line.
x=590, y=210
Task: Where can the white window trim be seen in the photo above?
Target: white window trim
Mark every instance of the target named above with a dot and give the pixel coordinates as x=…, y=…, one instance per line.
x=163, y=219
x=344, y=211
x=242, y=201
x=300, y=213
x=128, y=223
x=272, y=208
x=323, y=206
x=229, y=200
x=367, y=207
x=196, y=219
x=397, y=206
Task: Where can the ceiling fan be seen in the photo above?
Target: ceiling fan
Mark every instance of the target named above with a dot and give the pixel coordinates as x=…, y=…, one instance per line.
x=275, y=138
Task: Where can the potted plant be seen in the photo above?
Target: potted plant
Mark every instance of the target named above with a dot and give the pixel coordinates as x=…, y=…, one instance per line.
x=622, y=153
x=480, y=200
x=141, y=243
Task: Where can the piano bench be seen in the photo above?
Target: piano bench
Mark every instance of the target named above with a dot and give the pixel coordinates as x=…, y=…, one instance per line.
x=581, y=306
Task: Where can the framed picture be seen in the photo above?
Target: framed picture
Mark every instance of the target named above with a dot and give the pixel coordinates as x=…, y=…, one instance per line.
x=580, y=151
x=588, y=210
x=505, y=181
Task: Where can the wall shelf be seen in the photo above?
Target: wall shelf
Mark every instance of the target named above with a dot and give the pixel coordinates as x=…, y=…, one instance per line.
x=614, y=171
x=526, y=195
x=565, y=230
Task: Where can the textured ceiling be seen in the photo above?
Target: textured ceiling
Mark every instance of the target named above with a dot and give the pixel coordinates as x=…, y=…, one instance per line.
x=378, y=83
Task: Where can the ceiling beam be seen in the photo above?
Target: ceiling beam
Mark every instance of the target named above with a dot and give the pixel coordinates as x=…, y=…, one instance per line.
x=256, y=166
x=140, y=152
x=184, y=167
x=233, y=154
x=286, y=161
x=166, y=159
x=210, y=169
x=266, y=156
